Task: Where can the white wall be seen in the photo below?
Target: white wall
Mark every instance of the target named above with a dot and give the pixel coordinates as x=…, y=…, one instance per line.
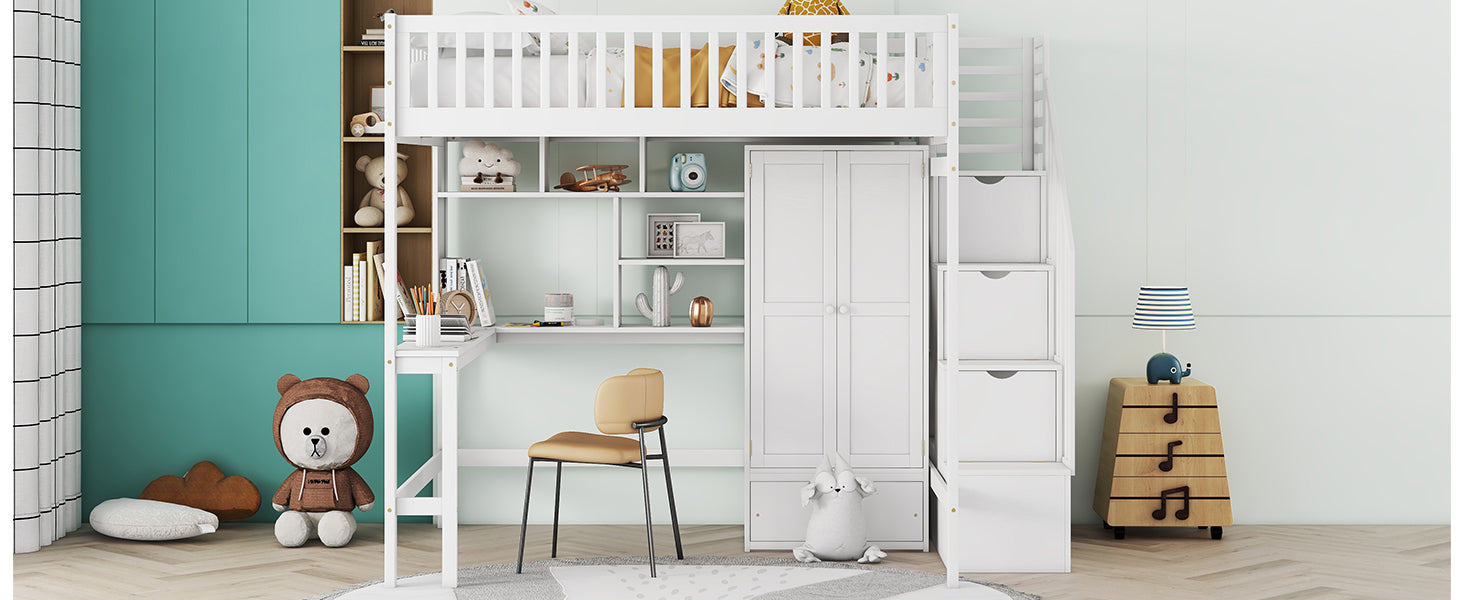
x=1284, y=160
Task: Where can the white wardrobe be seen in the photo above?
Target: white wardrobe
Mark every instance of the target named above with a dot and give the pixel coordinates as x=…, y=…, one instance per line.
x=837, y=335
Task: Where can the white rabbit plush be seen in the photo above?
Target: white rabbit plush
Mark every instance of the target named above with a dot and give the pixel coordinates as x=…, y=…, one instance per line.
x=836, y=529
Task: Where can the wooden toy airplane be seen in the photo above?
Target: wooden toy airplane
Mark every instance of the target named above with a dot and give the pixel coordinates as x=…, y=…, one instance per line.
x=609, y=181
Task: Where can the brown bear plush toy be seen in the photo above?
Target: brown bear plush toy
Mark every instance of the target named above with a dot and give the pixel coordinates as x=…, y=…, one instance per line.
x=322, y=426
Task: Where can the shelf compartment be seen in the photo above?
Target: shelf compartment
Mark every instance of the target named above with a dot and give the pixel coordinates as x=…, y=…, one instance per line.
x=400, y=230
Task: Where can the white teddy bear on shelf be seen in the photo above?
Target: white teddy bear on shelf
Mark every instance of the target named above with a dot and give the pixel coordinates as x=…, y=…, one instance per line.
x=487, y=159
x=836, y=530
x=372, y=210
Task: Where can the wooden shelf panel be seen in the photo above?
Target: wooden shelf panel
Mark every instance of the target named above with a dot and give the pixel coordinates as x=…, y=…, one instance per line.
x=400, y=230
x=363, y=49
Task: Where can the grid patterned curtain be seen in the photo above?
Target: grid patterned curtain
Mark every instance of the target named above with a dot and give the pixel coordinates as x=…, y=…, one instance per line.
x=47, y=243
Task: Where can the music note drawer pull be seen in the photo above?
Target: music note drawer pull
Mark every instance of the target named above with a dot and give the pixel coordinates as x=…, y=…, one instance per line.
x=1167, y=464
x=1173, y=416
x=1181, y=514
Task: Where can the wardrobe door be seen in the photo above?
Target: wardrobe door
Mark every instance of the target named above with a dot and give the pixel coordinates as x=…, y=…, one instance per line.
x=881, y=249
x=791, y=333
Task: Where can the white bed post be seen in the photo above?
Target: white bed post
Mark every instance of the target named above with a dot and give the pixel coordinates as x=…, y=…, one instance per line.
x=952, y=459
x=389, y=309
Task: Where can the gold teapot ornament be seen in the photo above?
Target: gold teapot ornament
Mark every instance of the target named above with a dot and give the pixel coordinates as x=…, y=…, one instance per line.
x=701, y=311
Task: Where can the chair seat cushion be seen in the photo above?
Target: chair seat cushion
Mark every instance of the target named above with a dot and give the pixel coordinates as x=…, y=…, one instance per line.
x=587, y=447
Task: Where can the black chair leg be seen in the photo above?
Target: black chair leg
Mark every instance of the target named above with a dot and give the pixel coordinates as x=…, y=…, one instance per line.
x=646, y=489
x=670, y=495
x=524, y=527
x=554, y=548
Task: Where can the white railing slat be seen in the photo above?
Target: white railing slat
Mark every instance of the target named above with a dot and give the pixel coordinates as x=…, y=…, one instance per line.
x=574, y=57
x=910, y=76
x=515, y=84
x=990, y=122
x=460, y=71
x=601, y=66
x=658, y=73
x=797, y=69
x=990, y=96
x=855, y=81
x=743, y=96
x=992, y=43
x=545, y=83
x=992, y=70
x=881, y=68
x=825, y=70
x=432, y=63
x=714, y=75
x=686, y=69
x=489, y=73
x=770, y=70
x=627, y=97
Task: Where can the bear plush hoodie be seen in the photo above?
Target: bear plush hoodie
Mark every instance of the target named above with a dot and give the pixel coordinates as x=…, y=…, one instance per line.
x=340, y=488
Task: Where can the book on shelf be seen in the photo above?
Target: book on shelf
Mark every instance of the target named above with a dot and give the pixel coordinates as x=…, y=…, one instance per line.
x=480, y=294
x=366, y=42
x=447, y=274
x=403, y=308
x=348, y=291
x=371, y=282
x=358, y=260
x=486, y=183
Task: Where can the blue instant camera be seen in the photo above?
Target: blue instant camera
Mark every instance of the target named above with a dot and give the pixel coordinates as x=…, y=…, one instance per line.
x=689, y=172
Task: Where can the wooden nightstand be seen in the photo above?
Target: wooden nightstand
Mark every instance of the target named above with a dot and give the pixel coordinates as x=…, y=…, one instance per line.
x=1162, y=462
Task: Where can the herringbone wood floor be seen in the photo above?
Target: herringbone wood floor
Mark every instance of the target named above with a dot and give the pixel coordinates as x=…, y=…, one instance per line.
x=242, y=560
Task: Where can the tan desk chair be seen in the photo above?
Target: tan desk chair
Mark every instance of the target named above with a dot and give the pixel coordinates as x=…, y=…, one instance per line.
x=630, y=403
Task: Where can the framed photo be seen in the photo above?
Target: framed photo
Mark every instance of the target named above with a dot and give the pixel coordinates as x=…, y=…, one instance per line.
x=661, y=235
x=701, y=240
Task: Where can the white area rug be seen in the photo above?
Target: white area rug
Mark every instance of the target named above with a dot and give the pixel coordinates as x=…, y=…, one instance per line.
x=696, y=578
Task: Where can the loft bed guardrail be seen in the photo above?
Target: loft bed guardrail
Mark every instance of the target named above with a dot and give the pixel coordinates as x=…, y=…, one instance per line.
x=569, y=75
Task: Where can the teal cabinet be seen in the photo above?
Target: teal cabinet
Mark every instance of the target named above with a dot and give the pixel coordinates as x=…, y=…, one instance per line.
x=294, y=182
x=201, y=165
x=117, y=163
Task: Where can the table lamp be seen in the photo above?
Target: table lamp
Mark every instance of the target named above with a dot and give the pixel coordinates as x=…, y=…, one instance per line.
x=1164, y=308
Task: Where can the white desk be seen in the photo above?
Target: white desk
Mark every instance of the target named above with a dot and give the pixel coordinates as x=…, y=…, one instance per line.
x=442, y=363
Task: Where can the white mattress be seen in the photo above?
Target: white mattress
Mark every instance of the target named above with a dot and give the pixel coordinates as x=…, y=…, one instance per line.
x=502, y=81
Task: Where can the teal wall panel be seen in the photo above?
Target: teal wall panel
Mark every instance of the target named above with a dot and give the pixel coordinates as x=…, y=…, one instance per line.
x=294, y=167
x=201, y=161
x=159, y=398
x=117, y=163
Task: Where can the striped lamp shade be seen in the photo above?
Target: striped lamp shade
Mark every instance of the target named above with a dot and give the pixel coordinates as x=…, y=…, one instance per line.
x=1164, y=307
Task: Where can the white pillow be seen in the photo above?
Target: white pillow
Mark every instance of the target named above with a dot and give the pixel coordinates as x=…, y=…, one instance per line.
x=150, y=520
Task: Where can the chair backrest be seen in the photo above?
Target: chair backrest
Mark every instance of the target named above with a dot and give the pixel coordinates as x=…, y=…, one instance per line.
x=624, y=399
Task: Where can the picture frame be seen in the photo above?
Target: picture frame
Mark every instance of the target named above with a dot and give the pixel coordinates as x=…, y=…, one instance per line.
x=702, y=239
x=661, y=232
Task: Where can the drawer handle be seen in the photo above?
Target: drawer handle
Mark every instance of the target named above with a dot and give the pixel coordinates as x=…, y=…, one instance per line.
x=1167, y=464
x=1182, y=513
x=990, y=179
x=1173, y=415
x=1001, y=374
x=995, y=274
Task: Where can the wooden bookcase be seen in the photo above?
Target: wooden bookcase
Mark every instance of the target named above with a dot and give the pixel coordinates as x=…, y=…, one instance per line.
x=361, y=68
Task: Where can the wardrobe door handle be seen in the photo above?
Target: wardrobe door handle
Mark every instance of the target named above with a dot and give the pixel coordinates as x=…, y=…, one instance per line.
x=828, y=309
x=844, y=310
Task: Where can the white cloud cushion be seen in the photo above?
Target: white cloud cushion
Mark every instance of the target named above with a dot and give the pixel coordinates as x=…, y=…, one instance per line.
x=149, y=520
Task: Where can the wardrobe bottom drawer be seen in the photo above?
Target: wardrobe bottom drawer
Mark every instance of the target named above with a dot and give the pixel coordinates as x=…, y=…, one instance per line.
x=894, y=514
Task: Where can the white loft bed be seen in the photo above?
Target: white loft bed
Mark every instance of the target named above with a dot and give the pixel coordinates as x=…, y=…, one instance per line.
x=1006, y=83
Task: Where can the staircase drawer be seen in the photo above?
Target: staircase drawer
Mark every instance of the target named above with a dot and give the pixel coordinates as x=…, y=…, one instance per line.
x=1008, y=415
x=1003, y=314
x=1139, y=513
x=1189, y=466
x=1149, y=487
x=1151, y=420
x=1001, y=220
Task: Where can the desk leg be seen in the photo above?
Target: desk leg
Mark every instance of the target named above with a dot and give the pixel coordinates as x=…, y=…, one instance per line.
x=449, y=477
x=437, y=440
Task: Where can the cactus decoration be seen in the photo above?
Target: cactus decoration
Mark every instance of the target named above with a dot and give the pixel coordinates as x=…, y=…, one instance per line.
x=658, y=311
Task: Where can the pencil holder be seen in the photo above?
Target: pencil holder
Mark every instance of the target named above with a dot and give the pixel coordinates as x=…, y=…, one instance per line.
x=428, y=330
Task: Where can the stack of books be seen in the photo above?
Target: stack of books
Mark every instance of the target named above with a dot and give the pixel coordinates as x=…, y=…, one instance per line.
x=361, y=289
x=467, y=275
x=374, y=37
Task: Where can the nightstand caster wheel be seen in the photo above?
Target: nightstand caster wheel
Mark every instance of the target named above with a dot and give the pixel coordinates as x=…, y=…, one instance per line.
x=1204, y=527
x=1118, y=532
x=1216, y=532
x=1106, y=525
